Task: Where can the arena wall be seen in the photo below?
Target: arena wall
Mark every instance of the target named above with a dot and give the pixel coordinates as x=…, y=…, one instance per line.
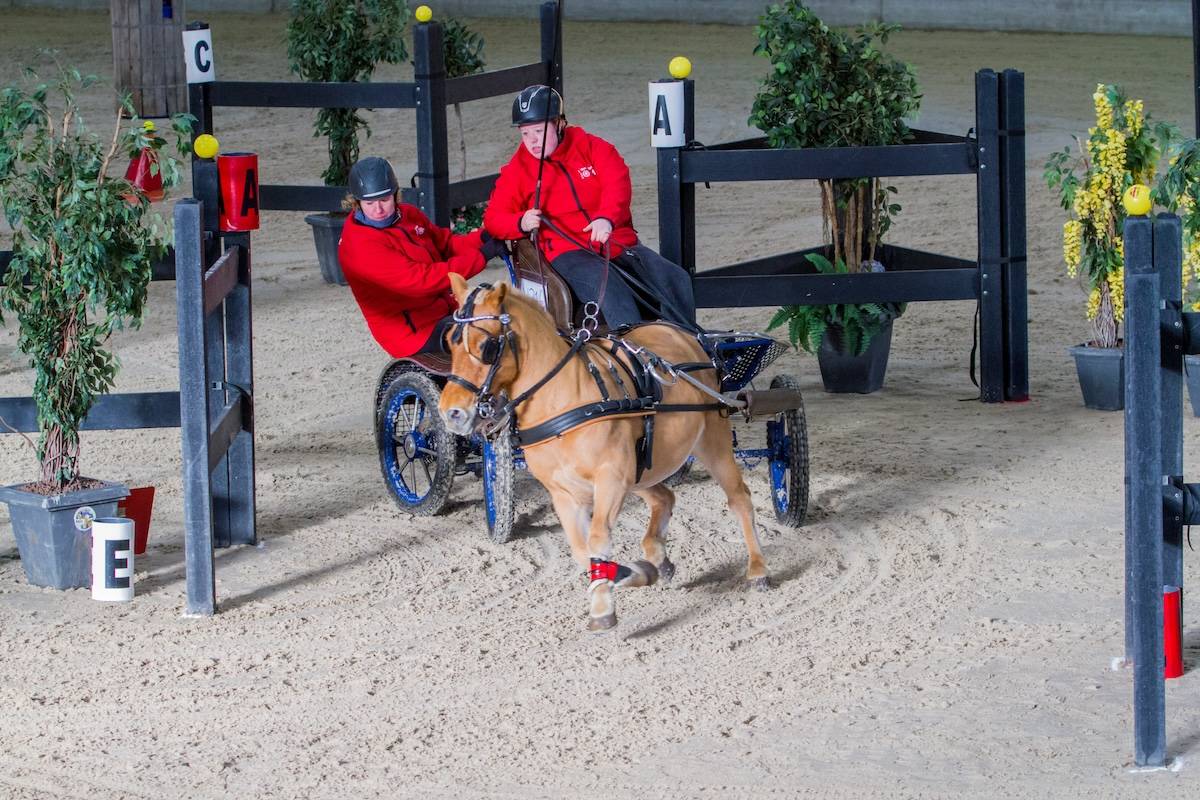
x=1150, y=17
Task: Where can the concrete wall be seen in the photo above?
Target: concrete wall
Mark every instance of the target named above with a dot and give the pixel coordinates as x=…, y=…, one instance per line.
x=1151, y=17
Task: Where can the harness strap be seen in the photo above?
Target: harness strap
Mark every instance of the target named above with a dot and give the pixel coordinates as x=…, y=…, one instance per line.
x=667, y=408
x=557, y=426
x=511, y=405
x=595, y=372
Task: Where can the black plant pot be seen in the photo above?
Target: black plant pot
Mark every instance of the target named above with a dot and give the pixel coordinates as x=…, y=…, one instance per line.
x=327, y=232
x=54, y=532
x=862, y=374
x=1101, y=372
x=1191, y=369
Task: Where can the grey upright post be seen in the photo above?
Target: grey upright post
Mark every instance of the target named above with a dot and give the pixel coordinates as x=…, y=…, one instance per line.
x=433, y=160
x=194, y=408
x=1144, y=488
x=214, y=356
x=239, y=373
x=991, y=313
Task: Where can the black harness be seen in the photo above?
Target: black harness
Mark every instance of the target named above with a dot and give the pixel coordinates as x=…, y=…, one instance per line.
x=641, y=395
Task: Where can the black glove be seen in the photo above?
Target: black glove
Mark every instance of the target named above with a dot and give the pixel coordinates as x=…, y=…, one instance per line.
x=489, y=247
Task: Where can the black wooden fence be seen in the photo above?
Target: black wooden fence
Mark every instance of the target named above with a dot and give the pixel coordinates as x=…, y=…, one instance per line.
x=429, y=95
x=995, y=155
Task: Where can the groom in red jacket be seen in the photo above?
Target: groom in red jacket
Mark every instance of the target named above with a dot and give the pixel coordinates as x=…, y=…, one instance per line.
x=580, y=211
x=398, y=263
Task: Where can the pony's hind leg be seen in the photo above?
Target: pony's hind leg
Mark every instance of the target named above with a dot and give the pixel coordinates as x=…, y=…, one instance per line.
x=661, y=502
x=715, y=449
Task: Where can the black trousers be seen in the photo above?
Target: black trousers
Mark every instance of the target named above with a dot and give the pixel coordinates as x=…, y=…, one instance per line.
x=665, y=294
x=436, y=343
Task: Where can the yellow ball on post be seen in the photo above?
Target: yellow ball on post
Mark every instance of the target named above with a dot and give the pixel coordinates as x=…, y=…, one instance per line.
x=423, y=13
x=1137, y=200
x=148, y=126
x=205, y=146
x=679, y=67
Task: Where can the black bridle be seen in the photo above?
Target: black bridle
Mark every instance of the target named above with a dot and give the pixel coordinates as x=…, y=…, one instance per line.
x=491, y=353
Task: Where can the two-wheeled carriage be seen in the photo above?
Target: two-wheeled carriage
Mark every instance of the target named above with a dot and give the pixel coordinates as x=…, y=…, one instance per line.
x=420, y=458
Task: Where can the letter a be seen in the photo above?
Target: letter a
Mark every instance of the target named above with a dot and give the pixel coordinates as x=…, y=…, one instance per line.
x=250, y=193
x=661, y=118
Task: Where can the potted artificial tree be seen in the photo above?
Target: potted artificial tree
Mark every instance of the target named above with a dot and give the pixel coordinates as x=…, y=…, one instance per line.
x=831, y=89
x=1179, y=190
x=1120, y=151
x=342, y=41
x=462, y=50
x=83, y=241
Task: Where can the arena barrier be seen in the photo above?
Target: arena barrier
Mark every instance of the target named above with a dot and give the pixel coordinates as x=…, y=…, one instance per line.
x=1158, y=333
x=995, y=154
x=429, y=94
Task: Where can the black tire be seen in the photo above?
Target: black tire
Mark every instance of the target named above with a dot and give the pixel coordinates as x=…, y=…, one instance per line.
x=498, y=477
x=787, y=439
x=416, y=451
x=390, y=373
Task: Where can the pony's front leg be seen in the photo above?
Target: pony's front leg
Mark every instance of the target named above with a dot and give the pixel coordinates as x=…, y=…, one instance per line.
x=575, y=518
x=605, y=573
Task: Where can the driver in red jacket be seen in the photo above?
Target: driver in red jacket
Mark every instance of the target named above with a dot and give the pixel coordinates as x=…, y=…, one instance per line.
x=398, y=263
x=580, y=212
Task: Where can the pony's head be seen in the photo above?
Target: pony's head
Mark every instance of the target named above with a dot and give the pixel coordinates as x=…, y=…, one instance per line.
x=483, y=356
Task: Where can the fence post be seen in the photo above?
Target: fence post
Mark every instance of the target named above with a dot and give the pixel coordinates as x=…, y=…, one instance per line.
x=677, y=200
x=991, y=312
x=1144, y=454
x=194, y=408
x=239, y=373
x=1168, y=263
x=433, y=160
x=552, y=45
x=1012, y=220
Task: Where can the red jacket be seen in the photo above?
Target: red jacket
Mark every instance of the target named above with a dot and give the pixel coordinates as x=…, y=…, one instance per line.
x=400, y=275
x=584, y=178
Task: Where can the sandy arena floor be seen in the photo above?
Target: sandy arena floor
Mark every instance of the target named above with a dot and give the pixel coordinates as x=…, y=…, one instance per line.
x=942, y=626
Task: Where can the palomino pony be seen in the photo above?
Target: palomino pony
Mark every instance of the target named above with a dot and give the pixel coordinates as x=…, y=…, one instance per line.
x=580, y=442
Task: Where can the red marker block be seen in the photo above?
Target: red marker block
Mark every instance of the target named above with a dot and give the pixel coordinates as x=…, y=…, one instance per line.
x=1172, y=633
x=238, y=179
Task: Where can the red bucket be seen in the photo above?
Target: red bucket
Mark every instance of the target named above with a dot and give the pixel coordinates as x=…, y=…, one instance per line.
x=1172, y=633
x=238, y=178
x=137, y=507
x=145, y=180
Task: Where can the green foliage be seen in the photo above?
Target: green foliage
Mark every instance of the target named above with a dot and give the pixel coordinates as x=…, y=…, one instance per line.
x=827, y=88
x=83, y=244
x=462, y=49
x=855, y=324
x=467, y=218
x=342, y=41
x=1178, y=189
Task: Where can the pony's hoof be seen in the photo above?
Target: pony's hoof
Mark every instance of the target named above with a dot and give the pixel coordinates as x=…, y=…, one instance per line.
x=760, y=584
x=601, y=624
x=640, y=573
x=666, y=570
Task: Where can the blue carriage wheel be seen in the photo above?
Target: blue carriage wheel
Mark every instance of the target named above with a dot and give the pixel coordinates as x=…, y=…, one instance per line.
x=416, y=451
x=498, y=474
x=787, y=440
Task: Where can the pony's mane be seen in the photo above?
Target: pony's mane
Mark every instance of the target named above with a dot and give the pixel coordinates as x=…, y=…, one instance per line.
x=535, y=313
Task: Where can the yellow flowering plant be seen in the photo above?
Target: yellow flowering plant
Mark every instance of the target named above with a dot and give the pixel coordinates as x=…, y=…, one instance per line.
x=1179, y=191
x=1121, y=150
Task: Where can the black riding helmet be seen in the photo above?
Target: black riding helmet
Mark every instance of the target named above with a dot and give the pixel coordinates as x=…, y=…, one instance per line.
x=372, y=178
x=536, y=104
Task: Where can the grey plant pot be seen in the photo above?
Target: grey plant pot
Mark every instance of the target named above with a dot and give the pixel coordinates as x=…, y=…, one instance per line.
x=327, y=232
x=1101, y=372
x=54, y=541
x=862, y=374
x=1191, y=370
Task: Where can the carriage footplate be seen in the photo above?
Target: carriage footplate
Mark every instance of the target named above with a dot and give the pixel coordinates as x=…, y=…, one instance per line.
x=769, y=402
x=640, y=573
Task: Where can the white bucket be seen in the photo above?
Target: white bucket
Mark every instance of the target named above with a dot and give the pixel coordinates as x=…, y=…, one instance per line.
x=112, y=559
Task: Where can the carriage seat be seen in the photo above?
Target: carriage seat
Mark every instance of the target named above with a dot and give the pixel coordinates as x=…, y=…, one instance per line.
x=545, y=286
